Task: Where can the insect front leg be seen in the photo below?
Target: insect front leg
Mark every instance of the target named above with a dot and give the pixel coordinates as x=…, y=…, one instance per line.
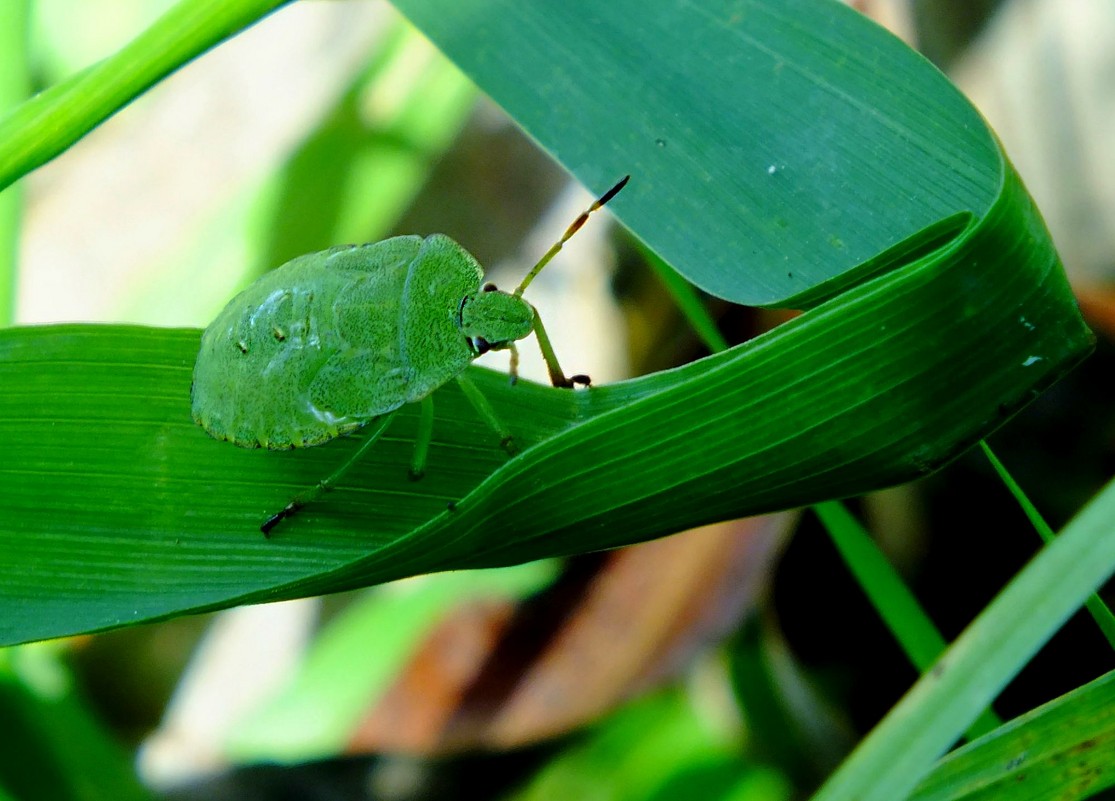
x=375, y=430
x=487, y=413
x=514, y=370
x=557, y=377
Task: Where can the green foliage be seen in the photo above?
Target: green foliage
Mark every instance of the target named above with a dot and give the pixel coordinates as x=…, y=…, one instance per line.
x=861, y=392
x=920, y=639
x=775, y=149
x=659, y=748
x=1103, y=616
x=313, y=717
x=968, y=676
x=1060, y=750
x=799, y=156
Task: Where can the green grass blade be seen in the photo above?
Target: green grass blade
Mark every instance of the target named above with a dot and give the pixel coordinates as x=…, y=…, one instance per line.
x=1031, y=511
x=889, y=763
x=1099, y=611
x=1064, y=750
x=53, y=120
x=120, y=509
x=14, y=86
x=891, y=598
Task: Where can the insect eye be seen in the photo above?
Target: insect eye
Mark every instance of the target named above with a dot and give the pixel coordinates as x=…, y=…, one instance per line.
x=489, y=287
x=481, y=345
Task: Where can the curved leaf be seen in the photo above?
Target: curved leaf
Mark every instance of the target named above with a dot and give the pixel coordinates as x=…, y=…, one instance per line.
x=119, y=509
x=938, y=310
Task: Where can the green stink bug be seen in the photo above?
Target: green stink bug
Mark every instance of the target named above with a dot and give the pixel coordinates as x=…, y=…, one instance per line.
x=333, y=341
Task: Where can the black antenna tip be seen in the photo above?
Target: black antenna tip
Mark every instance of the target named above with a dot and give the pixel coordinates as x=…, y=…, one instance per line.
x=611, y=193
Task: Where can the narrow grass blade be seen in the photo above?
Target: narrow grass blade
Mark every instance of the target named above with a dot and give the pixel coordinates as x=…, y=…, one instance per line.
x=1063, y=750
x=14, y=86
x=889, y=763
x=53, y=120
x=891, y=598
x=1099, y=611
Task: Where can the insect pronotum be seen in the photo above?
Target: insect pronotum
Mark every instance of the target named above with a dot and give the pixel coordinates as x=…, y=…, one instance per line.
x=334, y=341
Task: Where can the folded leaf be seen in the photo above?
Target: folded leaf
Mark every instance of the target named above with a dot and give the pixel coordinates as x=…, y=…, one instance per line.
x=785, y=152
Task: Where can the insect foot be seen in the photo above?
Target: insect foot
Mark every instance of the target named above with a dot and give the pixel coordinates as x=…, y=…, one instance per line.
x=280, y=515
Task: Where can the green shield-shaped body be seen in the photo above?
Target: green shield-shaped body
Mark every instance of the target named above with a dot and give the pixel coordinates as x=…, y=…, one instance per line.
x=331, y=340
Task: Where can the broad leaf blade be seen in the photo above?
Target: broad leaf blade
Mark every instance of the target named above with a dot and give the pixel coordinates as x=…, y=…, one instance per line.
x=773, y=146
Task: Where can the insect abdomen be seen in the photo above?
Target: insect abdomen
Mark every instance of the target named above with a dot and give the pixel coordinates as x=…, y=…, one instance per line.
x=308, y=352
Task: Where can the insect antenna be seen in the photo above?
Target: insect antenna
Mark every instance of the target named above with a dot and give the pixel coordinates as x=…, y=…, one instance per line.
x=572, y=229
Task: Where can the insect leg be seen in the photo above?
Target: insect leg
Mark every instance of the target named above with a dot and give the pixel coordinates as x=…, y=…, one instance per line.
x=514, y=362
x=422, y=439
x=557, y=377
x=329, y=482
x=485, y=410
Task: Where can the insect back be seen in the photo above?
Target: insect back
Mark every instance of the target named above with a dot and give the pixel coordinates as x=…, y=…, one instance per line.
x=327, y=342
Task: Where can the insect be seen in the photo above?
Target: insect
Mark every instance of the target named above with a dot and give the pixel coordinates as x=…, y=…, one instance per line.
x=334, y=341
